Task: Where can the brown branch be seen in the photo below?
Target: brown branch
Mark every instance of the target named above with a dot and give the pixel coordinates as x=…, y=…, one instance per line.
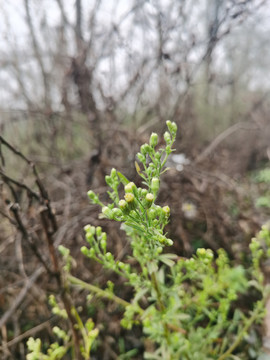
x=15, y=210
x=24, y=291
x=31, y=332
x=8, y=179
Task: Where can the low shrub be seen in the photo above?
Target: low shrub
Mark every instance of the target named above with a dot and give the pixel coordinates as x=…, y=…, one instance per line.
x=187, y=308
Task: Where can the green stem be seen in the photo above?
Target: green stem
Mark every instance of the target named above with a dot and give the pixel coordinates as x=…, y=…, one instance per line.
x=160, y=304
x=99, y=292
x=241, y=335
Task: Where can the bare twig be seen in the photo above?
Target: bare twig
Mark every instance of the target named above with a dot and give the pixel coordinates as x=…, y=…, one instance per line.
x=14, y=306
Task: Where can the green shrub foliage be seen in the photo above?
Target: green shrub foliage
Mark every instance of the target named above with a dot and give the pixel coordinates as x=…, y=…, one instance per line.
x=187, y=307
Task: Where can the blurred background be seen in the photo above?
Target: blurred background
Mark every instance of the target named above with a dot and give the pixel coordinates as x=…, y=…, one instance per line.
x=82, y=85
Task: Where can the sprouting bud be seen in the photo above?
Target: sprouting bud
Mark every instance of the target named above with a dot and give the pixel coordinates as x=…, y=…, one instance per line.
x=108, y=180
x=92, y=196
x=84, y=250
x=87, y=228
x=104, y=236
x=144, y=149
x=90, y=230
x=141, y=157
x=130, y=187
x=108, y=256
x=144, y=192
x=167, y=137
x=209, y=254
x=168, y=150
x=116, y=212
x=122, y=204
x=149, y=197
x=201, y=252
x=166, y=210
x=107, y=212
x=155, y=185
x=103, y=244
x=149, y=200
x=153, y=140
x=88, y=237
x=98, y=231
x=121, y=265
x=172, y=127
x=113, y=173
x=129, y=197
x=152, y=214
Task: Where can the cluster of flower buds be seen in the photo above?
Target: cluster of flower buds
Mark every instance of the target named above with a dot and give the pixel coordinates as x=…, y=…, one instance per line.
x=97, y=239
x=206, y=255
x=137, y=208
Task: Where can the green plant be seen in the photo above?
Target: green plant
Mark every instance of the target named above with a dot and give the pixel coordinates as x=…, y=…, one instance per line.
x=186, y=307
x=263, y=177
x=87, y=330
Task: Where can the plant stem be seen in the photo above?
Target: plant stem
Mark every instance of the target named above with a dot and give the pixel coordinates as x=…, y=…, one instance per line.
x=241, y=335
x=161, y=305
x=101, y=293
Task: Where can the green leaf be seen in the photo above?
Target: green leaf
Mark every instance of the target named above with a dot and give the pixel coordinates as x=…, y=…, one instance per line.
x=167, y=259
x=122, y=178
x=135, y=227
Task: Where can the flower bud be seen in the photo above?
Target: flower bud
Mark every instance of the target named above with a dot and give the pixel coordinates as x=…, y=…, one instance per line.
x=98, y=231
x=104, y=236
x=87, y=228
x=172, y=127
x=122, y=204
x=92, y=252
x=141, y=157
x=84, y=250
x=144, y=149
x=113, y=173
x=201, y=252
x=88, y=237
x=149, y=198
x=153, y=140
x=166, y=211
x=167, y=137
x=107, y=212
x=155, y=185
x=129, y=197
x=108, y=180
x=90, y=230
x=121, y=265
x=103, y=244
x=144, y=192
x=168, y=150
x=169, y=242
x=108, y=256
x=116, y=212
x=130, y=187
x=152, y=214
x=92, y=196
